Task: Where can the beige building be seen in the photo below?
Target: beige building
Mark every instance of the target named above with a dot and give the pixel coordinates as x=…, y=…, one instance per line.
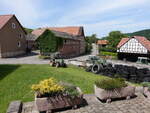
x=12, y=37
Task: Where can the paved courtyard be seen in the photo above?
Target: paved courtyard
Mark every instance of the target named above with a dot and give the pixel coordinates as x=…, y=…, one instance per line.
x=139, y=104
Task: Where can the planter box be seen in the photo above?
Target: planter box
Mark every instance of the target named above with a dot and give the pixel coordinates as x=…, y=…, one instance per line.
x=146, y=92
x=60, y=101
x=102, y=94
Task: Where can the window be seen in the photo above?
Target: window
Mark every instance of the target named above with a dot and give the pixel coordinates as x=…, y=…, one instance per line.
x=65, y=41
x=19, y=44
x=13, y=25
x=20, y=35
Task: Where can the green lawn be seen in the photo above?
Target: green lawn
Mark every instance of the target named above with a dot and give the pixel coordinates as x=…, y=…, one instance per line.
x=16, y=80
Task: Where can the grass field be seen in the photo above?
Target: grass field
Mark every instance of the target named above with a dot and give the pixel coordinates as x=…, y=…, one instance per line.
x=16, y=80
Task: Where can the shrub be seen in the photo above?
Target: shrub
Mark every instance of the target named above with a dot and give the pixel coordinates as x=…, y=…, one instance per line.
x=44, y=57
x=111, y=83
x=145, y=84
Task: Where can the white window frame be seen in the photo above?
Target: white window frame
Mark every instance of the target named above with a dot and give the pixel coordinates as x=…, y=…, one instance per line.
x=20, y=35
x=13, y=25
x=19, y=44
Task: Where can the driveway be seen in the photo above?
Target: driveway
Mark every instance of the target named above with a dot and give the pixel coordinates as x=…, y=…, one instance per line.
x=26, y=59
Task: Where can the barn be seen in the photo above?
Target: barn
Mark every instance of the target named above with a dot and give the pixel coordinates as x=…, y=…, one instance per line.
x=133, y=47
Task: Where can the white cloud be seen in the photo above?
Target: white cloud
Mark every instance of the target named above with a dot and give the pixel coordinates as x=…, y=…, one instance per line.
x=29, y=12
x=98, y=7
x=103, y=28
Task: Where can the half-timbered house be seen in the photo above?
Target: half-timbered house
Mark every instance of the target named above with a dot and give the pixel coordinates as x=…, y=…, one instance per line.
x=133, y=47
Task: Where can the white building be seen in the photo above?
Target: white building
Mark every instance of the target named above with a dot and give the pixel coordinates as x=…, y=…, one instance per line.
x=133, y=47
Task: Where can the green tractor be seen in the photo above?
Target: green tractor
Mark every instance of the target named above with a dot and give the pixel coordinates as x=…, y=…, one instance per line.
x=96, y=64
x=56, y=61
x=143, y=60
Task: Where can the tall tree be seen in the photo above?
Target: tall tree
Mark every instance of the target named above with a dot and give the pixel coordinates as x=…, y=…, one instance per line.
x=114, y=38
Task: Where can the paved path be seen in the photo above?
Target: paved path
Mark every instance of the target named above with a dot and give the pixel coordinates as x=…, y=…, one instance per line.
x=27, y=59
x=139, y=104
x=33, y=58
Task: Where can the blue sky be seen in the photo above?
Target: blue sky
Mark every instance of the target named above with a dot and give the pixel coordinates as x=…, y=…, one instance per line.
x=97, y=16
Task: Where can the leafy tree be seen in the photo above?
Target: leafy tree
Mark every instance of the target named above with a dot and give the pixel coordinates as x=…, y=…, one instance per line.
x=89, y=40
x=114, y=38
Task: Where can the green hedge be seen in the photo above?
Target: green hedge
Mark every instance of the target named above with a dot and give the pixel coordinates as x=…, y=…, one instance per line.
x=108, y=53
x=110, y=83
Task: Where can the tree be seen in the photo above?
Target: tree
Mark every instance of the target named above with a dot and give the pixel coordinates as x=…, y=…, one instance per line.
x=114, y=38
x=89, y=40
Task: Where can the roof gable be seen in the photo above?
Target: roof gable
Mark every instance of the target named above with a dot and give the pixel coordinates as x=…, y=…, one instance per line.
x=122, y=42
x=142, y=40
x=4, y=19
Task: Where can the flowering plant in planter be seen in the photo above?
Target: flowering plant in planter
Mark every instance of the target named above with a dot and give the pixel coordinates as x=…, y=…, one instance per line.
x=50, y=94
x=109, y=88
x=47, y=87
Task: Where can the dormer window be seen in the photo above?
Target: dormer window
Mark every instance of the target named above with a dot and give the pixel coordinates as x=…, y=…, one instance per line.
x=13, y=25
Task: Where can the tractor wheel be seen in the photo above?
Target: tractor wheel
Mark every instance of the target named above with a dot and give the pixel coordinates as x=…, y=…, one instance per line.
x=97, y=68
x=64, y=65
x=53, y=64
x=88, y=69
x=57, y=64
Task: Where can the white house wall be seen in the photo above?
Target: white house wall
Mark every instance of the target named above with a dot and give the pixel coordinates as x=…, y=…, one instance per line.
x=133, y=46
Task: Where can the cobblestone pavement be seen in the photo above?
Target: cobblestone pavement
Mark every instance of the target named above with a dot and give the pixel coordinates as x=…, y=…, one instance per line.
x=139, y=104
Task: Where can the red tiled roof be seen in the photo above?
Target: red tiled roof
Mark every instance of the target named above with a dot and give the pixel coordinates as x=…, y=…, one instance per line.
x=69, y=30
x=122, y=42
x=4, y=19
x=141, y=39
x=102, y=42
x=38, y=32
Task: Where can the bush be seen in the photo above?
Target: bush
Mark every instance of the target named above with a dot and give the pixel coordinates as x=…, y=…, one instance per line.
x=69, y=89
x=44, y=57
x=108, y=53
x=145, y=84
x=111, y=83
x=108, y=49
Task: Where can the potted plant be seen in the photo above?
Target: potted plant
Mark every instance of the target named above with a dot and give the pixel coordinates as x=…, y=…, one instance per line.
x=51, y=95
x=146, y=89
x=111, y=88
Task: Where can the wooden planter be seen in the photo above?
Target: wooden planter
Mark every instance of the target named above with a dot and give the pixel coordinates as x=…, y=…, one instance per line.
x=146, y=92
x=47, y=104
x=102, y=94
